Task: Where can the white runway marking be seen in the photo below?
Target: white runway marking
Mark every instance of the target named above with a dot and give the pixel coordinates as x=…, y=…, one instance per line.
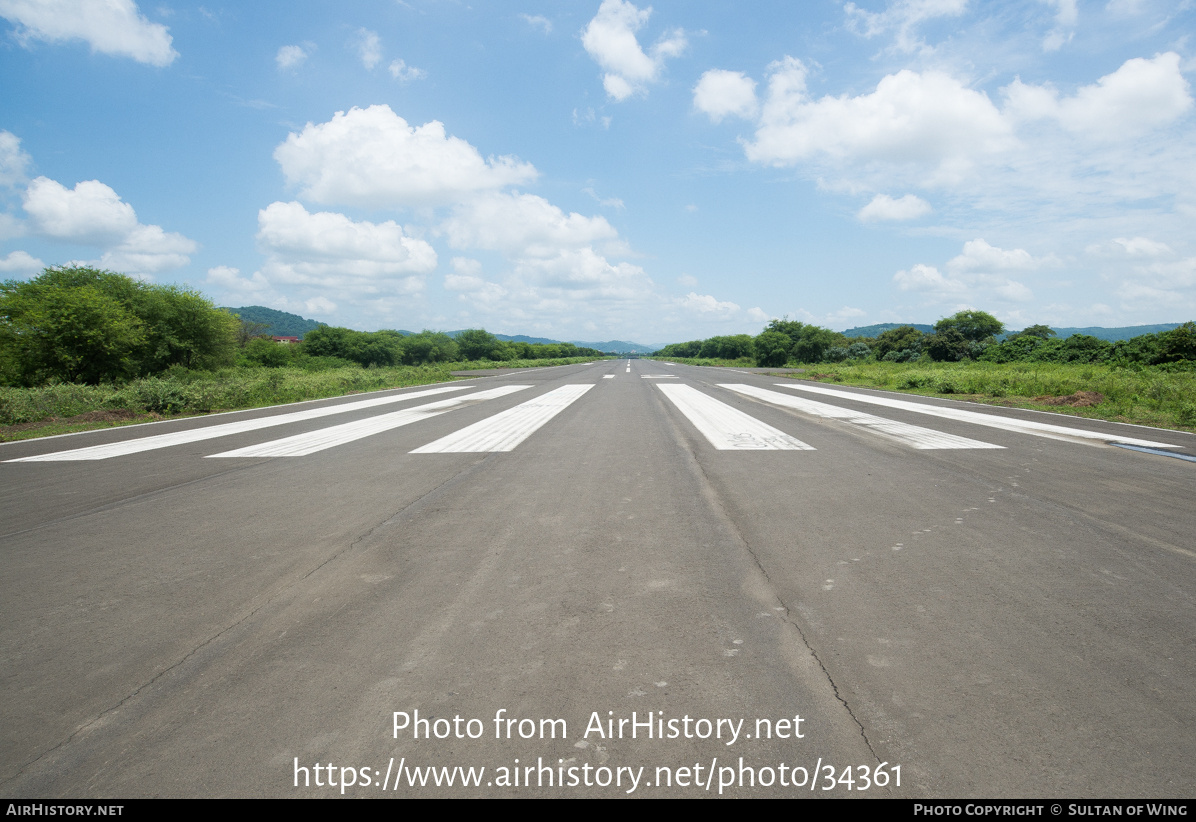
x=608, y=376
x=507, y=429
x=727, y=428
x=658, y=376
x=136, y=446
x=313, y=441
x=921, y=438
x=1038, y=429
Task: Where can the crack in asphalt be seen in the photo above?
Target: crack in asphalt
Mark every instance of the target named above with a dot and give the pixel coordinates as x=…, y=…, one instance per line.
x=716, y=501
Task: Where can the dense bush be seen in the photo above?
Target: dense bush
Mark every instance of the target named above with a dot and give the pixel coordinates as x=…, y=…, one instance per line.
x=80, y=324
x=772, y=349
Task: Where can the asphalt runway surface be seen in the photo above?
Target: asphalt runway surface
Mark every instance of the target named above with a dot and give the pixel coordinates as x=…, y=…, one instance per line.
x=627, y=578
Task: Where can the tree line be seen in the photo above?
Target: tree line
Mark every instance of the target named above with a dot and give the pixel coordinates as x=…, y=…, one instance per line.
x=966, y=335
x=76, y=324
x=386, y=348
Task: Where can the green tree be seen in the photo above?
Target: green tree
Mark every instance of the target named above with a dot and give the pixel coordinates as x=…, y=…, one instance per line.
x=265, y=352
x=726, y=348
x=476, y=344
x=1042, y=332
x=772, y=349
x=503, y=352
x=947, y=345
x=1179, y=343
x=790, y=328
x=693, y=348
x=69, y=334
x=78, y=323
x=250, y=330
x=330, y=341
x=973, y=326
x=1018, y=348
x=814, y=342
x=901, y=338
x=428, y=346
x=183, y=328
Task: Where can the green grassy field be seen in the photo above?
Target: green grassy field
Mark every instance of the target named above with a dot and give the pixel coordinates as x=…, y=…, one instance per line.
x=66, y=408
x=1155, y=396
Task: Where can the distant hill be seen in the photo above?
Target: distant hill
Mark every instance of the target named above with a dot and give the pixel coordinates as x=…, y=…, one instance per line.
x=1115, y=334
x=279, y=323
x=526, y=339
x=879, y=328
x=1109, y=334
x=619, y=346
x=613, y=346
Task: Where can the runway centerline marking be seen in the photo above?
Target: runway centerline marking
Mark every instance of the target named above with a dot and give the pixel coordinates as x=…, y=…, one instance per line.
x=921, y=438
x=136, y=446
x=506, y=429
x=1038, y=429
x=309, y=443
x=727, y=428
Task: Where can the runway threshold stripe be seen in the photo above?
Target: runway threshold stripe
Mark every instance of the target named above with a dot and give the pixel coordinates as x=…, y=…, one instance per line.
x=309, y=443
x=727, y=428
x=136, y=446
x=1038, y=429
x=921, y=438
x=507, y=429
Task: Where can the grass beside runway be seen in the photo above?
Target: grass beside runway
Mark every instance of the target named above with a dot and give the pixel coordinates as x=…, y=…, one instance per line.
x=65, y=408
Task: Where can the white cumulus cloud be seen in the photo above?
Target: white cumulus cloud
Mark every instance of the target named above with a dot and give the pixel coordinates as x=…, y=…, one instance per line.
x=371, y=157
x=610, y=39
x=328, y=249
x=929, y=120
x=720, y=93
x=587, y=273
x=884, y=207
x=522, y=225
x=707, y=304
x=921, y=277
x=230, y=279
x=979, y=256
x=980, y=272
x=93, y=214
x=1140, y=96
x=20, y=262
x=148, y=249
x=562, y=267
x=114, y=27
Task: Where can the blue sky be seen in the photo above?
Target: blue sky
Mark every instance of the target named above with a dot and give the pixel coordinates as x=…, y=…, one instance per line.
x=601, y=169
